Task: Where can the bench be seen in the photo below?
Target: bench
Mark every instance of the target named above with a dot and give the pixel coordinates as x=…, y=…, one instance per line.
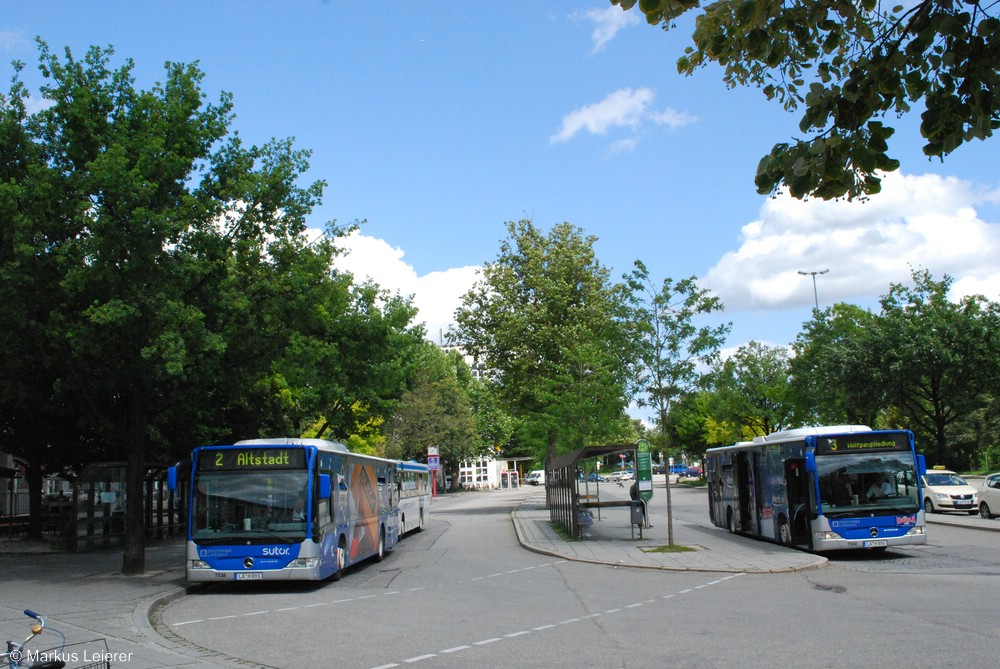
x=602, y=505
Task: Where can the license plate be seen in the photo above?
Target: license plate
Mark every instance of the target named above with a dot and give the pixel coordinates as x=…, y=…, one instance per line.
x=249, y=576
x=876, y=543
x=963, y=502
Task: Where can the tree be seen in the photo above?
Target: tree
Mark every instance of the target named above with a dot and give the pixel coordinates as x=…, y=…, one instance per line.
x=551, y=327
x=34, y=425
x=148, y=219
x=939, y=357
x=435, y=412
x=751, y=389
x=850, y=64
x=836, y=376
x=670, y=346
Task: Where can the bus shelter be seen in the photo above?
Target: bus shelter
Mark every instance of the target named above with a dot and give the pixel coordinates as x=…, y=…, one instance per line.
x=569, y=497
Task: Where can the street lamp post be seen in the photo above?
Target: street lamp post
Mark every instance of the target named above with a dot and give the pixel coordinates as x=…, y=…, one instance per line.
x=813, y=275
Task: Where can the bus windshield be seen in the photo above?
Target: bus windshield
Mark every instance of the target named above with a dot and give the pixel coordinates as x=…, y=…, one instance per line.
x=852, y=483
x=255, y=506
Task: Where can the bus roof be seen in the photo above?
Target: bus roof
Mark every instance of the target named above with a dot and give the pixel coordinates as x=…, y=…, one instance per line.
x=810, y=431
x=295, y=441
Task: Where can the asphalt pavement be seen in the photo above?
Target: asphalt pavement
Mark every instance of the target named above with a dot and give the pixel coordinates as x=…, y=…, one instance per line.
x=87, y=598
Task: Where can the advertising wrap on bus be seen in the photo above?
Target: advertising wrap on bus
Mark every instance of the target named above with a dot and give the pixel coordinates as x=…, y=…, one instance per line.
x=820, y=488
x=288, y=508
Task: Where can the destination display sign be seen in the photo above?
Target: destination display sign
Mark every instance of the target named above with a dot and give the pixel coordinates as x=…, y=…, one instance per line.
x=863, y=442
x=252, y=458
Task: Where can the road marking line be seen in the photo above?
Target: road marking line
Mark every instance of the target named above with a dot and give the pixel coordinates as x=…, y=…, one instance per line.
x=486, y=641
x=419, y=658
x=455, y=649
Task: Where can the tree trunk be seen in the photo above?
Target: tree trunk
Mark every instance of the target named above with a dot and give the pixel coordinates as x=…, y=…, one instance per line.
x=35, y=519
x=134, y=541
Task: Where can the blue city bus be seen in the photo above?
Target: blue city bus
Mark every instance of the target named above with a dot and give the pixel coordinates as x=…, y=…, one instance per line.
x=820, y=488
x=282, y=509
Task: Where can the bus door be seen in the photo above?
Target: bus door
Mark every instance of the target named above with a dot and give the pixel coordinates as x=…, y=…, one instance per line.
x=797, y=491
x=746, y=492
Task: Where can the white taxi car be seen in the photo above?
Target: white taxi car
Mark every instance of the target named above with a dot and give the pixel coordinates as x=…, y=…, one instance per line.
x=944, y=490
x=989, y=496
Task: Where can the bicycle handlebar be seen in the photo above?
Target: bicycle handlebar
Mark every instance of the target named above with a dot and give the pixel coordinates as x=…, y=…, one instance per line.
x=32, y=614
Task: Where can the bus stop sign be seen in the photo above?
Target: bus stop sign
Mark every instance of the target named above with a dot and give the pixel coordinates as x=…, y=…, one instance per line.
x=643, y=470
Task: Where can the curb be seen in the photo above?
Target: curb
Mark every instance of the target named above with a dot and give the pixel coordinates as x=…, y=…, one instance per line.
x=819, y=561
x=145, y=617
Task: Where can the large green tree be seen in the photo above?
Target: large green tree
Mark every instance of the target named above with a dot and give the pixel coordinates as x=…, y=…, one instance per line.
x=849, y=65
x=939, y=357
x=551, y=327
x=751, y=391
x=836, y=373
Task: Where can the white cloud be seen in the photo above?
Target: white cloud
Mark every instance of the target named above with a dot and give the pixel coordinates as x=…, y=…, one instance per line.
x=436, y=295
x=13, y=41
x=927, y=222
x=607, y=23
x=625, y=108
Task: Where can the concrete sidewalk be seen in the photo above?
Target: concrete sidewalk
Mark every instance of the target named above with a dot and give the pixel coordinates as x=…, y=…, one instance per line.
x=613, y=542
x=86, y=597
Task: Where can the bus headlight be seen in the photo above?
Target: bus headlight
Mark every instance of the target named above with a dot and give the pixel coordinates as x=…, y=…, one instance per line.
x=826, y=536
x=303, y=563
x=916, y=531
x=199, y=564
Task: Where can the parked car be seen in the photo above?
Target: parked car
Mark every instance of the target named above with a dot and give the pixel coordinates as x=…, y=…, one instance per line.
x=595, y=477
x=692, y=472
x=535, y=477
x=944, y=490
x=989, y=496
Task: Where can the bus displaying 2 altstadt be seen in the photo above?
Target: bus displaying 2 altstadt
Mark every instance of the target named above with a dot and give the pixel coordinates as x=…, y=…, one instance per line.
x=280, y=509
x=820, y=488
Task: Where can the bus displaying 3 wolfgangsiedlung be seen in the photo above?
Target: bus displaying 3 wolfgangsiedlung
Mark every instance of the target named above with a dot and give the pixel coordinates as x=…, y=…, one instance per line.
x=821, y=488
x=302, y=509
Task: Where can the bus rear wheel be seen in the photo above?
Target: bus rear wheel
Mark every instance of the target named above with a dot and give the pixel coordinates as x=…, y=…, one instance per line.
x=341, y=559
x=784, y=532
x=380, y=553
x=730, y=521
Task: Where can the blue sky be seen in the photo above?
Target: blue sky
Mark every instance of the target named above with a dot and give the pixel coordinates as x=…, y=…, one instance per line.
x=438, y=122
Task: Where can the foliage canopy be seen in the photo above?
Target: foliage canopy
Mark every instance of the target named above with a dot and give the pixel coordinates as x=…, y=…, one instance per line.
x=849, y=65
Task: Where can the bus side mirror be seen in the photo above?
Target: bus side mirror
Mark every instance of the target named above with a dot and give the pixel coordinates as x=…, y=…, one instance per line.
x=325, y=487
x=810, y=462
x=921, y=464
x=171, y=479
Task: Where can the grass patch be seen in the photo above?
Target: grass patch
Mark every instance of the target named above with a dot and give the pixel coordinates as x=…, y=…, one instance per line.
x=562, y=531
x=676, y=548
